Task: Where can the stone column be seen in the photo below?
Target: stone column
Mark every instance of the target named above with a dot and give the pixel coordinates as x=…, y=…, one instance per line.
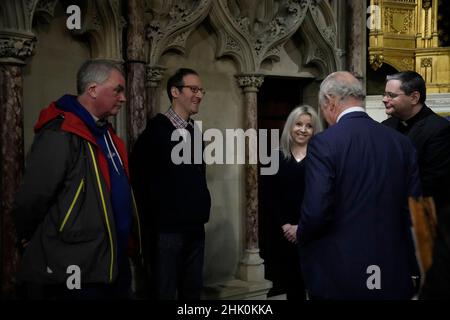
x=356, y=38
x=14, y=49
x=136, y=99
x=251, y=267
x=154, y=75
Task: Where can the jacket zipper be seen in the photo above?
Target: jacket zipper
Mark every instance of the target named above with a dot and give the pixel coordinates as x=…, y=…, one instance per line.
x=138, y=221
x=74, y=201
x=108, y=227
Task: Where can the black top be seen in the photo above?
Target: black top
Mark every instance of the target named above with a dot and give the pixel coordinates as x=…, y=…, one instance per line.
x=171, y=197
x=288, y=189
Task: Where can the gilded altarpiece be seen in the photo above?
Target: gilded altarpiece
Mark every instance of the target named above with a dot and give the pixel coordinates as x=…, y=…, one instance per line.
x=404, y=34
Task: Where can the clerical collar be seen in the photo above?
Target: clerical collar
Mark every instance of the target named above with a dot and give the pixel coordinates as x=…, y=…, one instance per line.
x=423, y=113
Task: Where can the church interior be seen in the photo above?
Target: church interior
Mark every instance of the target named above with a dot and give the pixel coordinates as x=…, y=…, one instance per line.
x=258, y=59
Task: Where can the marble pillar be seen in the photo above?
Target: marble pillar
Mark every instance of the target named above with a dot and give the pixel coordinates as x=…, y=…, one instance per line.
x=251, y=267
x=14, y=49
x=136, y=97
x=356, y=38
x=154, y=75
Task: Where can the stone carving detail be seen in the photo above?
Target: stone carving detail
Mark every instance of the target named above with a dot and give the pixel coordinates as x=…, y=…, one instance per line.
x=17, y=15
x=154, y=75
x=45, y=9
x=16, y=48
x=256, y=27
x=321, y=48
x=179, y=41
x=232, y=45
x=170, y=24
x=399, y=21
x=426, y=62
x=320, y=54
x=376, y=61
x=426, y=4
x=252, y=81
x=328, y=31
x=104, y=23
x=407, y=64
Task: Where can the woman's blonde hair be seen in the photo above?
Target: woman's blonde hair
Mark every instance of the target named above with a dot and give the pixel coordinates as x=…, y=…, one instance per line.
x=286, y=138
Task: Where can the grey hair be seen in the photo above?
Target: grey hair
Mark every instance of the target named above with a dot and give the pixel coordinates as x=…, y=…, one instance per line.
x=339, y=84
x=95, y=71
x=286, y=140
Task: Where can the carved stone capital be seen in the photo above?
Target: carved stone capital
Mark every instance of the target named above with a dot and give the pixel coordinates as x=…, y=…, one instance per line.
x=250, y=82
x=16, y=48
x=154, y=75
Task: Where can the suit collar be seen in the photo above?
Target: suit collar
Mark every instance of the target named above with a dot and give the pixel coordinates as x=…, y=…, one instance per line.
x=356, y=112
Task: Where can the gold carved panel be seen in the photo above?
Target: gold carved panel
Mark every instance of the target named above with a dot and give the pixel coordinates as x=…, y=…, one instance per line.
x=399, y=21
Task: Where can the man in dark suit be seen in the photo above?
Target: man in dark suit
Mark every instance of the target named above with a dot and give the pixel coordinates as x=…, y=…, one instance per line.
x=354, y=228
x=404, y=99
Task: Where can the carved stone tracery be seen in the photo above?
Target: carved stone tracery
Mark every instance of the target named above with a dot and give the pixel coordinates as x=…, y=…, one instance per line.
x=170, y=24
x=103, y=23
x=250, y=30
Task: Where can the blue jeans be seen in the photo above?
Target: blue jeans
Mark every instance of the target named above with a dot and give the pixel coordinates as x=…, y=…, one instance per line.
x=177, y=265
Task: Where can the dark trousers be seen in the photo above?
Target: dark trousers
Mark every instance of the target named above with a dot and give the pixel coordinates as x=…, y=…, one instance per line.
x=291, y=275
x=177, y=265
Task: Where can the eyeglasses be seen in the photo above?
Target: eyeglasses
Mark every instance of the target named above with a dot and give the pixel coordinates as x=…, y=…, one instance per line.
x=194, y=89
x=392, y=95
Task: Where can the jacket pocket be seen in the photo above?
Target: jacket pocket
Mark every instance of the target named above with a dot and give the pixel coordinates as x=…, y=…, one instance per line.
x=72, y=205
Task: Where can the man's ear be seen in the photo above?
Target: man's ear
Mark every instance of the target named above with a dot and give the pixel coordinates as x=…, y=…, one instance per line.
x=415, y=96
x=331, y=101
x=175, y=92
x=92, y=90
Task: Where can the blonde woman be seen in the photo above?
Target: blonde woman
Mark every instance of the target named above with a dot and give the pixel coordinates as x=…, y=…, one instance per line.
x=301, y=125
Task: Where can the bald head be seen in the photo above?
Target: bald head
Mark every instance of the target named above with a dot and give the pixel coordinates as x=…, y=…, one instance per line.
x=340, y=91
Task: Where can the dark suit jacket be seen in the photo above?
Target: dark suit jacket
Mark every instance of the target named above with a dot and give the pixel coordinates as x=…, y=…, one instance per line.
x=358, y=177
x=430, y=135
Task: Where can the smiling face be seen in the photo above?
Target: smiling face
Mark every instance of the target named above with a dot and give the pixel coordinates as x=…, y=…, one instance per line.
x=185, y=102
x=302, y=130
x=110, y=95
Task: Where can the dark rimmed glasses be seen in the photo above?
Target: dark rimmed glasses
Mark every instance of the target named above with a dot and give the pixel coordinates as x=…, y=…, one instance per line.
x=194, y=89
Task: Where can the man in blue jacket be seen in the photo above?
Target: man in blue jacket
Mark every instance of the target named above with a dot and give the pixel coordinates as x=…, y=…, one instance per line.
x=74, y=210
x=354, y=228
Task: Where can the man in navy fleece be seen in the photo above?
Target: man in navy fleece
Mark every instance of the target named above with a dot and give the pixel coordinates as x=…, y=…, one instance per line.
x=173, y=199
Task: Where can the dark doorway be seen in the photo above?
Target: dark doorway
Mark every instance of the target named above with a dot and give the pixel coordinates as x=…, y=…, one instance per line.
x=277, y=97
